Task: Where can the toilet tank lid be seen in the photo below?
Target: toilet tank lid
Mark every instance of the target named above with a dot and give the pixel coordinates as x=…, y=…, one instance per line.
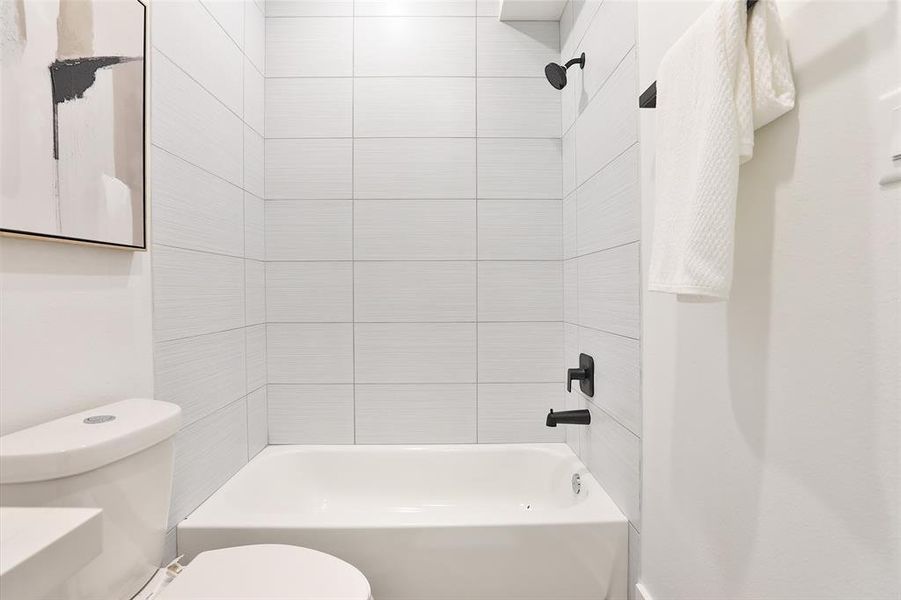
x=87, y=440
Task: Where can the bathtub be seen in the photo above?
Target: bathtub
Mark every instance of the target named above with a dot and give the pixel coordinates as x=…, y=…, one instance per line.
x=462, y=522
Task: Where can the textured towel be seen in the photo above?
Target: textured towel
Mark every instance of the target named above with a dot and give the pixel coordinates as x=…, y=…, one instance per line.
x=721, y=80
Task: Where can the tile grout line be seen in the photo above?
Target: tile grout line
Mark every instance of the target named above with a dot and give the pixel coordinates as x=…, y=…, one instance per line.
x=600, y=88
x=476, y=117
x=353, y=230
x=244, y=231
x=204, y=169
x=203, y=87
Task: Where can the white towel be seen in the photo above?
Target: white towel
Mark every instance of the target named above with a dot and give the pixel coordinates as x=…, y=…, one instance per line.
x=721, y=80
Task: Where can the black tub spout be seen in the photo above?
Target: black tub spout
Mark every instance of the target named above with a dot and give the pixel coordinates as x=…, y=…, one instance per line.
x=571, y=417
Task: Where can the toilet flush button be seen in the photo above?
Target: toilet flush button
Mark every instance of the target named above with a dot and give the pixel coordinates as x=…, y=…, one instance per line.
x=97, y=419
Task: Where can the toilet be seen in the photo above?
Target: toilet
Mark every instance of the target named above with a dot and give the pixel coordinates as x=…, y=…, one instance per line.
x=119, y=458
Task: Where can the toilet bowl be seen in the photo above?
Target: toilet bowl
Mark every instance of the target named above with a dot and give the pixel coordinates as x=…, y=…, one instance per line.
x=119, y=458
x=266, y=572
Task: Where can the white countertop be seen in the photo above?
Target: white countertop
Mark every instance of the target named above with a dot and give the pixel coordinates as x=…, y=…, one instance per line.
x=41, y=547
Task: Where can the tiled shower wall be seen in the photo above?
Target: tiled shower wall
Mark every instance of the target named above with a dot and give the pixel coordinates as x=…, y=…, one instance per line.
x=413, y=224
x=207, y=233
x=601, y=245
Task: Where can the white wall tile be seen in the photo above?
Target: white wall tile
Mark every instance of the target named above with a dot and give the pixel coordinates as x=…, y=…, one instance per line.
x=399, y=352
x=257, y=422
x=518, y=107
x=229, y=14
x=201, y=374
x=414, y=291
x=516, y=413
x=310, y=352
x=309, y=169
x=519, y=168
x=415, y=8
x=571, y=226
x=309, y=107
x=309, y=47
x=255, y=35
x=207, y=454
x=572, y=400
x=520, y=352
x=194, y=209
x=613, y=454
x=185, y=304
x=309, y=8
x=309, y=292
x=254, y=227
x=516, y=48
x=571, y=291
x=634, y=561
x=610, y=123
x=520, y=291
x=254, y=97
x=255, y=342
x=568, y=100
x=427, y=46
x=609, y=37
x=415, y=229
x=170, y=547
x=190, y=37
x=414, y=107
x=583, y=11
x=254, y=292
x=309, y=230
x=416, y=414
x=609, y=290
x=566, y=26
x=617, y=375
x=520, y=229
x=192, y=124
x=600, y=231
x=568, y=159
x=414, y=168
x=311, y=414
x=488, y=8
x=609, y=206
x=254, y=159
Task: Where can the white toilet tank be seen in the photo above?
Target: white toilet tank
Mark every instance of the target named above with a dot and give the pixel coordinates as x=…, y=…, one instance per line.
x=117, y=458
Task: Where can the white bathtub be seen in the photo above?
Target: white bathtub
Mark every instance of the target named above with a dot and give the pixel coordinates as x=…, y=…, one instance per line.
x=464, y=522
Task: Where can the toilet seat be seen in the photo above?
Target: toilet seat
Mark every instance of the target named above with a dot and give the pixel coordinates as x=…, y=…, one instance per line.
x=267, y=572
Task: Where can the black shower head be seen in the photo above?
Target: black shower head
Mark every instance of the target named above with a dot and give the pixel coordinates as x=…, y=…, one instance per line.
x=556, y=74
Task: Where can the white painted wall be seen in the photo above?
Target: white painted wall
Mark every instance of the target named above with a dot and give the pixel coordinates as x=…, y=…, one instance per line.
x=771, y=423
x=75, y=329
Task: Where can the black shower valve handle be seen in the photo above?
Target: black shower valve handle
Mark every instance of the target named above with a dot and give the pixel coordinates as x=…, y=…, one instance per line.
x=571, y=374
x=584, y=374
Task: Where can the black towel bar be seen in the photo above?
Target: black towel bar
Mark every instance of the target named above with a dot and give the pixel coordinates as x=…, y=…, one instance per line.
x=648, y=98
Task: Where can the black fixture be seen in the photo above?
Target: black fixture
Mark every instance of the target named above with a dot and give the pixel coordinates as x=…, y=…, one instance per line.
x=648, y=98
x=556, y=74
x=569, y=417
x=585, y=375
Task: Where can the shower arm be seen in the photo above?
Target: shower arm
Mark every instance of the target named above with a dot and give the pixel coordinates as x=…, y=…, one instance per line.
x=576, y=61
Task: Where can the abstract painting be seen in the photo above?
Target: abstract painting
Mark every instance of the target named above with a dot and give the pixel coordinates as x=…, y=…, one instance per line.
x=72, y=94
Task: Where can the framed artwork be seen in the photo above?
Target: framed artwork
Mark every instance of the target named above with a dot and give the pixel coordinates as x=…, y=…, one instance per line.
x=72, y=120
